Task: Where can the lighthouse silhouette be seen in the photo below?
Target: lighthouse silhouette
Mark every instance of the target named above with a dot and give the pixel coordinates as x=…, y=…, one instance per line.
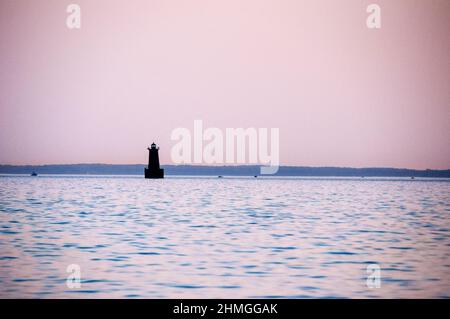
x=153, y=170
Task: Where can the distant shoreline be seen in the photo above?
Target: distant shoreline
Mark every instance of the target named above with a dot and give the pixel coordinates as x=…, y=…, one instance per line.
x=241, y=170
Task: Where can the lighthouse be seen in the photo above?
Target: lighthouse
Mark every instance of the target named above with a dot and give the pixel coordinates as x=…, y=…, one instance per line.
x=153, y=170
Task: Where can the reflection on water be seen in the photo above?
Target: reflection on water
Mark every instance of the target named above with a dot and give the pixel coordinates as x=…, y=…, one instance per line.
x=228, y=238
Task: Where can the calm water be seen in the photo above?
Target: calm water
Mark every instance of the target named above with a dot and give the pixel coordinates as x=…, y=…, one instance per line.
x=229, y=238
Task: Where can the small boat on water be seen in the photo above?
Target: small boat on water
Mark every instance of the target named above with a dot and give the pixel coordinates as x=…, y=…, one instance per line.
x=34, y=174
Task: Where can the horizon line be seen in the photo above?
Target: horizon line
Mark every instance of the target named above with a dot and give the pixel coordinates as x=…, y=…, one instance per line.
x=235, y=165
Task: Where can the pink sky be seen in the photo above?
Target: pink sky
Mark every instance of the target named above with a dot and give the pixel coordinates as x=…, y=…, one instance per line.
x=341, y=94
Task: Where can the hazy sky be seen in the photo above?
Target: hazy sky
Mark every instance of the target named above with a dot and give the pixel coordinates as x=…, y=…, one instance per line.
x=341, y=94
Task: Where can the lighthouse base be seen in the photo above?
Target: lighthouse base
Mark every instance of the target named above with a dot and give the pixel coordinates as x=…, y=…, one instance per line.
x=158, y=173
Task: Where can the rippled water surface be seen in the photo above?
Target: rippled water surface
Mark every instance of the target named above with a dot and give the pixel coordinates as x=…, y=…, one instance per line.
x=226, y=238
